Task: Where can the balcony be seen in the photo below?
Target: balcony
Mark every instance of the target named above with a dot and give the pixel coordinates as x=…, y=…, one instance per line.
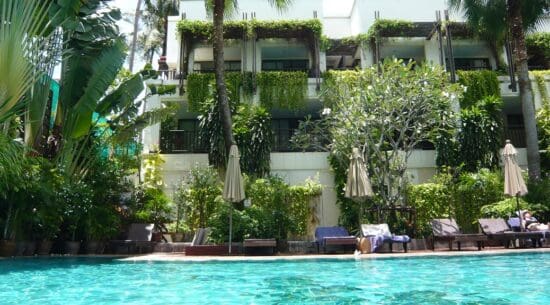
x=181, y=142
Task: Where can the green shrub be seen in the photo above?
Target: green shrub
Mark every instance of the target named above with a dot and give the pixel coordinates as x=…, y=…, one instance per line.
x=200, y=196
x=473, y=191
x=507, y=208
x=431, y=200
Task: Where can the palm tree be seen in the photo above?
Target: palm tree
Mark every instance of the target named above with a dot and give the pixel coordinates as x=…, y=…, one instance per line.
x=157, y=15
x=516, y=16
x=219, y=7
x=135, y=36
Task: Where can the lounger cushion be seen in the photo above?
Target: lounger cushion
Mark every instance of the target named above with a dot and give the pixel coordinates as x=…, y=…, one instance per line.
x=493, y=225
x=376, y=229
x=445, y=227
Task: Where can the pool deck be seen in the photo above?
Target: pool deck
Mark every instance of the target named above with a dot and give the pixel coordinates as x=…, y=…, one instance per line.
x=173, y=257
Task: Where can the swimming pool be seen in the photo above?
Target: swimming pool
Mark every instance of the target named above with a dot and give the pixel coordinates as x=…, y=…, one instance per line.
x=496, y=279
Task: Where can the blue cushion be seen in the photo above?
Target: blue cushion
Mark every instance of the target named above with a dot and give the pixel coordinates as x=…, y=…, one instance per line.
x=400, y=239
x=323, y=232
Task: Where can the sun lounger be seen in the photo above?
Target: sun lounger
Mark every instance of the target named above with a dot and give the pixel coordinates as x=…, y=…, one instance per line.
x=535, y=236
x=498, y=229
x=138, y=241
x=448, y=230
x=333, y=236
x=380, y=234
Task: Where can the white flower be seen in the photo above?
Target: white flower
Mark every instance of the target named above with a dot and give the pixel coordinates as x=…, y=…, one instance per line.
x=326, y=111
x=369, y=87
x=465, y=88
x=445, y=94
x=425, y=83
x=453, y=96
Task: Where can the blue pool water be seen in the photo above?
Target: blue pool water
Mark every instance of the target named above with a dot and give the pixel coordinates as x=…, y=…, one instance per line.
x=502, y=279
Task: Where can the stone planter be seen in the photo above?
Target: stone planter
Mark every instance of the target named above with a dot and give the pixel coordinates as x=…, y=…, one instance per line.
x=215, y=250
x=177, y=237
x=25, y=248
x=72, y=247
x=7, y=247
x=420, y=244
x=44, y=247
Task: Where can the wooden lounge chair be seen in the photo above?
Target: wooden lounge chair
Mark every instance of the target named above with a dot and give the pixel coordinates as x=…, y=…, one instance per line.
x=333, y=236
x=498, y=229
x=448, y=230
x=138, y=241
x=259, y=246
x=381, y=233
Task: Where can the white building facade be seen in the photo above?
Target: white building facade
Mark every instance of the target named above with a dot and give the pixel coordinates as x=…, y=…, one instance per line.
x=340, y=19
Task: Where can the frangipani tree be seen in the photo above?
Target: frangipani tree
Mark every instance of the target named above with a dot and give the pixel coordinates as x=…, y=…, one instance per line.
x=388, y=115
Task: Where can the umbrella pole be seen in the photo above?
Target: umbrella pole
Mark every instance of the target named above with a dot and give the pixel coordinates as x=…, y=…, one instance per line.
x=230, y=224
x=519, y=213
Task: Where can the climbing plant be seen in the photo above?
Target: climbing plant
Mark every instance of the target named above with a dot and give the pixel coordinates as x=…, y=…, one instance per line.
x=538, y=49
x=541, y=85
x=284, y=90
x=202, y=30
x=477, y=85
x=480, y=135
x=199, y=88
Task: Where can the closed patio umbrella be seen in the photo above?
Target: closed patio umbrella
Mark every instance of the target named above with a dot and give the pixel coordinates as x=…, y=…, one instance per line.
x=233, y=189
x=513, y=180
x=358, y=186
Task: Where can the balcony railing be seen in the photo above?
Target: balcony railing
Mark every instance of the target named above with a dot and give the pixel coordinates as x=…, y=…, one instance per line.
x=516, y=135
x=171, y=74
x=181, y=141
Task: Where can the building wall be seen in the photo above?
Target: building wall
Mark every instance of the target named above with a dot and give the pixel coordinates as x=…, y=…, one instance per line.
x=296, y=167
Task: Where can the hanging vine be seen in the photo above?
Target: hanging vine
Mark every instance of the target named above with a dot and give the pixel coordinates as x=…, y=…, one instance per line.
x=283, y=90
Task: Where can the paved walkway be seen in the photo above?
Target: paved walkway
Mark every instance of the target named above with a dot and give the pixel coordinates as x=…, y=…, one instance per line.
x=181, y=257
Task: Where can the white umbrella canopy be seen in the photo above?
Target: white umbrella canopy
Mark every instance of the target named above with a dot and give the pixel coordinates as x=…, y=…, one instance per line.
x=513, y=180
x=233, y=189
x=358, y=186
x=514, y=185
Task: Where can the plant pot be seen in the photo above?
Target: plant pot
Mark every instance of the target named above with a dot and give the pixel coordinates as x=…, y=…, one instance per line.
x=30, y=250
x=157, y=236
x=72, y=247
x=44, y=247
x=95, y=247
x=7, y=248
x=20, y=247
x=177, y=237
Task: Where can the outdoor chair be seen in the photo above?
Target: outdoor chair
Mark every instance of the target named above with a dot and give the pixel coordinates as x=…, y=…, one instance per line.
x=379, y=234
x=333, y=236
x=138, y=240
x=447, y=230
x=498, y=229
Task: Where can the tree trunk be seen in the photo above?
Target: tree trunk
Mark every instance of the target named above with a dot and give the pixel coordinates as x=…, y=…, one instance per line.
x=515, y=22
x=165, y=40
x=134, y=36
x=225, y=112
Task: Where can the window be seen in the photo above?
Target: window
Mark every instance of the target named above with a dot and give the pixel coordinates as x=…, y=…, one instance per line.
x=515, y=130
x=283, y=129
x=472, y=64
x=285, y=65
x=185, y=139
x=208, y=66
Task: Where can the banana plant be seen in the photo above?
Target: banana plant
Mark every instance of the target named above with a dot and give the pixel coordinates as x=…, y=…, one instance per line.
x=25, y=34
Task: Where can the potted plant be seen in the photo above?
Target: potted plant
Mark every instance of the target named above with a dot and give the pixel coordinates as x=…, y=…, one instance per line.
x=102, y=223
x=77, y=196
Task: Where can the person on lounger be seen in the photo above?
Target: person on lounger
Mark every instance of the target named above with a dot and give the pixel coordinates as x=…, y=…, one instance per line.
x=532, y=224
